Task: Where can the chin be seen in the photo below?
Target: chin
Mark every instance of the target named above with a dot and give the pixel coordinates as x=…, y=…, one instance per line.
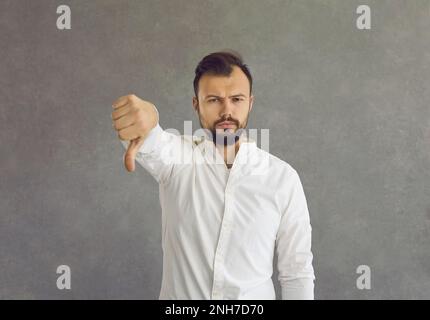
x=227, y=137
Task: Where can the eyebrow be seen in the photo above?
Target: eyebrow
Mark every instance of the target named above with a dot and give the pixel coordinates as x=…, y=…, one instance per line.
x=233, y=96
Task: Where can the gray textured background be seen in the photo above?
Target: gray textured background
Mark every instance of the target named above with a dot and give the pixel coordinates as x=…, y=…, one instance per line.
x=348, y=109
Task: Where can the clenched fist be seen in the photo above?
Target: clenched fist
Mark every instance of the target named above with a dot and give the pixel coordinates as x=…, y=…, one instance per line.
x=133, y=118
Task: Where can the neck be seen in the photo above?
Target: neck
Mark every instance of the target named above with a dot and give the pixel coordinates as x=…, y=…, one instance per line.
x=229, y=152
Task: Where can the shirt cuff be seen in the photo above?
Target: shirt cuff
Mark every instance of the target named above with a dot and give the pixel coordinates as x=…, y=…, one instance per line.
x=298, y=289
x=151, y=140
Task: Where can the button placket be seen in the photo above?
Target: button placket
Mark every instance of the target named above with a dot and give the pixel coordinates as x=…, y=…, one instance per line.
x=226, y=227
x=222, y=243
x=218, y=265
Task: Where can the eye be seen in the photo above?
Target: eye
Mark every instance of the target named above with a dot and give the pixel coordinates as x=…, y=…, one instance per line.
x=237, y=99
x=211, y=100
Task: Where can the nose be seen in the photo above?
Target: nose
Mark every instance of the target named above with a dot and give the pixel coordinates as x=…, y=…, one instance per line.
x=227, y=109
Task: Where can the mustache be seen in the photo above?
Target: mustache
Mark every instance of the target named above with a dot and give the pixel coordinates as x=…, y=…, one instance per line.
x=236, y=122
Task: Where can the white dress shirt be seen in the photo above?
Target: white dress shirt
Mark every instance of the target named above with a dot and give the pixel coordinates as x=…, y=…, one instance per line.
x=221, y=227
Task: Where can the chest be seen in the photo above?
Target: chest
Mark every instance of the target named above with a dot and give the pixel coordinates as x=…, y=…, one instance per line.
x=202, y=198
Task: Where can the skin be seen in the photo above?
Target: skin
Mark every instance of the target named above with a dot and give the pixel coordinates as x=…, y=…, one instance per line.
x=220, y=98
x=133, y=118
x=224, y=98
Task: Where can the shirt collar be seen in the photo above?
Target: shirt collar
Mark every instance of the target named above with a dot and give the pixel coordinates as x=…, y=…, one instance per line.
x=243, y=157
x=206, y=142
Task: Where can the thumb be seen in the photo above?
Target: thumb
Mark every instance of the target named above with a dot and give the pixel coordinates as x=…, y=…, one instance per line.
x=130, y=154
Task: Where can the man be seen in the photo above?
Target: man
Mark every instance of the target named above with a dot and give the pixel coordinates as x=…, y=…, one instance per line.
x=222, y=220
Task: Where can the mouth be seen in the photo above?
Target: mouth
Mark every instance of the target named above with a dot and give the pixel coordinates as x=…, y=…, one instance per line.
x=226, y=125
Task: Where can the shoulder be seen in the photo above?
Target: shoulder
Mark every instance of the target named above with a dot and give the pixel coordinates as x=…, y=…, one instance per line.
x=282, y=178
x=278, y=166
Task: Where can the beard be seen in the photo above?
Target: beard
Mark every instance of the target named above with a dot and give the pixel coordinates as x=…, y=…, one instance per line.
x=225, y=136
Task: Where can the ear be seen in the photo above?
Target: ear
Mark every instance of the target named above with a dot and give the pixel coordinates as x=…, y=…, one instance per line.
x=196, y=104
x=251, y=101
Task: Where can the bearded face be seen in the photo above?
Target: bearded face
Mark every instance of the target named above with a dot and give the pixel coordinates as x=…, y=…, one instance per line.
x=223, y=105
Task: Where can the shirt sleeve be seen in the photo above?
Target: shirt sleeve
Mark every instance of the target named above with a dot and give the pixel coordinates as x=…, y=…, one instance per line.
x=160, y=153
x=293, y=246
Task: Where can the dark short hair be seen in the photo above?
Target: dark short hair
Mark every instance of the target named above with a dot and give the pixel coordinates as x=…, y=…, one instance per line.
x=220, y=63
